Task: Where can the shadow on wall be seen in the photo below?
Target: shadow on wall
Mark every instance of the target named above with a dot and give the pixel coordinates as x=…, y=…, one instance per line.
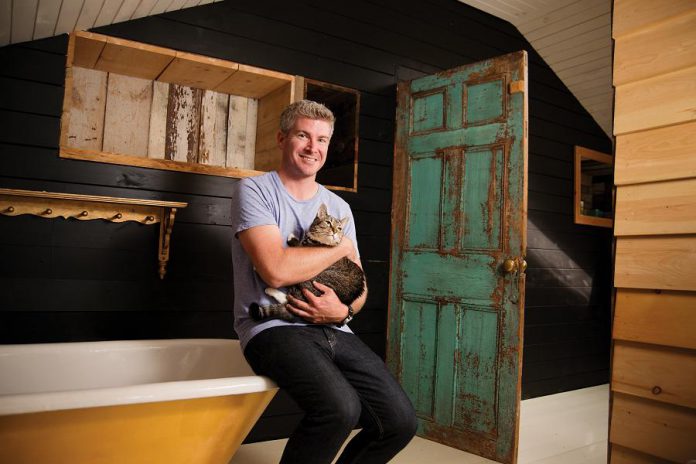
x=568, y=306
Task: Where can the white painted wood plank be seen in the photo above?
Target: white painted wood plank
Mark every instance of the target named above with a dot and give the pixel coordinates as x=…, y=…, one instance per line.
x=238, y=133
x=175, y=5
x=566, y=16
x=127, y=117
x=583, y=70
x=213, y=136
x=88, y=15
x=562, y=62
x=5, y=21
x=158, y=120
x=23, y=16
x=108, y=12
x=602, y=22
x=144, y=8
x=252, y=118
x=69, y=14
x=578, y=44
x=160, y=6
x=125, y=12
x=46, y=18
x=190, y=3
x=86, y=115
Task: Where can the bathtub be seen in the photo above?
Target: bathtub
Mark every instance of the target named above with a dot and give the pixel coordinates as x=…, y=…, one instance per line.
x=141, y=401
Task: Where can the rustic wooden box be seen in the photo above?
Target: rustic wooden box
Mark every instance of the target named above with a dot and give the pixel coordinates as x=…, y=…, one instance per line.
x=136, y=104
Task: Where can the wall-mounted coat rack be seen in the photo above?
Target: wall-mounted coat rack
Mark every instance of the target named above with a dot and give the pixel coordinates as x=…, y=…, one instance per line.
x=87, y=207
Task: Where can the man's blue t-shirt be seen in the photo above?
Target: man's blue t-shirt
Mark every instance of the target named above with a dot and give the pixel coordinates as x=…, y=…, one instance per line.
x=263, y=200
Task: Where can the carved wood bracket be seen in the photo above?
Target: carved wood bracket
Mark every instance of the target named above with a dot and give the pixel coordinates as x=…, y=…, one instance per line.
x=88, y=207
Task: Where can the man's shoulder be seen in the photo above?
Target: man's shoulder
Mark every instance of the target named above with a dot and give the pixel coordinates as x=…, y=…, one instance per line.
x=333, y=199
x=260, y=180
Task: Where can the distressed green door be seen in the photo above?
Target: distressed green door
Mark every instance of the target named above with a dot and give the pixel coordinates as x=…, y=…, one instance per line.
x=458, y=241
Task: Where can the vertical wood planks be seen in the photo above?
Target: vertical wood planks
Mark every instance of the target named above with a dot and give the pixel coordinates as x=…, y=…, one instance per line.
x=127, y=118
x=240, y=139
x=86, y=116
x=213, y=132
x=158, y=120
x=183, y=123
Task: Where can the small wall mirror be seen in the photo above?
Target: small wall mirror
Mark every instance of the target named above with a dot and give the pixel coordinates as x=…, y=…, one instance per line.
x=594, y=188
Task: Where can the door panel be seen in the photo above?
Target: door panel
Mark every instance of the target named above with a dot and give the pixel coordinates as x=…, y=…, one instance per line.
x=459, y=212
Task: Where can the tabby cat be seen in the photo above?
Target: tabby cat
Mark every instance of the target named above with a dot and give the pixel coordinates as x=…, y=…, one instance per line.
x=345, y=277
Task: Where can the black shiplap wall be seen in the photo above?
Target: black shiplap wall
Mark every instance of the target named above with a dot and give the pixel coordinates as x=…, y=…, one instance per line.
x=69, y=281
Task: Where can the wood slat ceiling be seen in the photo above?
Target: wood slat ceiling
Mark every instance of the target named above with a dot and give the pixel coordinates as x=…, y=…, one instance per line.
x=573, y=36
x=24, y=20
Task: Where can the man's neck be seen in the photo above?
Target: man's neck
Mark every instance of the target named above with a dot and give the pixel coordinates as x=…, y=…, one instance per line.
x=301, y=189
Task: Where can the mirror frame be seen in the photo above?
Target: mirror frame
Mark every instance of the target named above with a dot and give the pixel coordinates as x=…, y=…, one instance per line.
x=580, y=153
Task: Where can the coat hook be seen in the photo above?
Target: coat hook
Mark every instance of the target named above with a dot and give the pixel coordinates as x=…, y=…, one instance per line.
x=150, y=218
x=118, y=216
x=84, y=213
x=48, y=211
x=9, y=209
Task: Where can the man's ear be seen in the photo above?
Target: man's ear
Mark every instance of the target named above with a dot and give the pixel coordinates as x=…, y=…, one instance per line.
x=280, y=138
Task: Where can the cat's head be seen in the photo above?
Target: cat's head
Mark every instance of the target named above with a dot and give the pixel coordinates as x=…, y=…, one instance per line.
x=326, y=229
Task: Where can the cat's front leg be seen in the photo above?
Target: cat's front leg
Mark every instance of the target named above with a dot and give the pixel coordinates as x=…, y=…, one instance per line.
x=293, y=240
x=276, y=294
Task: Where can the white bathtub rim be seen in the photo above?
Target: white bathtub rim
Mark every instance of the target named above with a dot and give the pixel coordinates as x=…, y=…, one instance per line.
x=133, y=394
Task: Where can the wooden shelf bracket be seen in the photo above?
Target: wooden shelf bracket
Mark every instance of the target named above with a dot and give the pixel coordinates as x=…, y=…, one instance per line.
x=89, y=207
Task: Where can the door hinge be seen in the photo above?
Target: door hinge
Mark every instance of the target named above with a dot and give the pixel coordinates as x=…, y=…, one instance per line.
x=516, y=86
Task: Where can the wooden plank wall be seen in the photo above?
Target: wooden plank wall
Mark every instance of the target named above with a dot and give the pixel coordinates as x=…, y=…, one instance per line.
x=131, y=116
x=653, y=412
x=63, y=280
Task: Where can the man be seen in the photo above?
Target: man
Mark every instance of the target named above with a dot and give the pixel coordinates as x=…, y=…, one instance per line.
x=335, y=378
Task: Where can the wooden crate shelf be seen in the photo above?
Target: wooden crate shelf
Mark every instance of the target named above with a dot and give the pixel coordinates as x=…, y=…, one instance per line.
x=142, y=105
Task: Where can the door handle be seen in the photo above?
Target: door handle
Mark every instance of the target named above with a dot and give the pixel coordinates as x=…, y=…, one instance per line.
x=509, y=266
x=513, y=265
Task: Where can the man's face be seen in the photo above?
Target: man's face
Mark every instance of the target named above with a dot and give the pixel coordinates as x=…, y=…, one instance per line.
x=305, y=146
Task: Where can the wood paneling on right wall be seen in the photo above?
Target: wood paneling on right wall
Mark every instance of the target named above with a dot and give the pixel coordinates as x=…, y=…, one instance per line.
x=653, y=382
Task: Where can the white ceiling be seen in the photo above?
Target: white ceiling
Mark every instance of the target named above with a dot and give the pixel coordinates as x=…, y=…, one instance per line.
x=573, y=36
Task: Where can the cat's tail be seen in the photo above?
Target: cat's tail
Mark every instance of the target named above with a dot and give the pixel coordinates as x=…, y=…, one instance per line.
x=255, y=312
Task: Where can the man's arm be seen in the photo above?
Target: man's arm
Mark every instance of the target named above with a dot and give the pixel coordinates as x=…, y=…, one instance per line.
x=281, y=266
x=326, y=308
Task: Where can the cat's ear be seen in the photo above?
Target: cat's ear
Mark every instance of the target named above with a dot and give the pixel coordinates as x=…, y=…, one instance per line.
x=344, y=221
x=322, y=214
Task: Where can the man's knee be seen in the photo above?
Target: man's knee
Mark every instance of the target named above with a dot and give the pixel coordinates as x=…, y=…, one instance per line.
x=343, y=414
x=403, y=423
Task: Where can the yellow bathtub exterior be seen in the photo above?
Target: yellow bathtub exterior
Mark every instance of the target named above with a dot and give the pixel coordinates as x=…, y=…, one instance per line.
x=192, y=431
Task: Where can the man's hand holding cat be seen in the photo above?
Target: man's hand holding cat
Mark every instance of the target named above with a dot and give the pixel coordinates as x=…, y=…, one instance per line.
x=323, y=309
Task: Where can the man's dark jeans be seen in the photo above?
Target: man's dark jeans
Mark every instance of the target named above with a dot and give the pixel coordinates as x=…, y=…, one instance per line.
x=339, y=382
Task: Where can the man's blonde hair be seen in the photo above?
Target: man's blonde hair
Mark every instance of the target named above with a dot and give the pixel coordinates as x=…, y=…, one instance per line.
x=305, y=108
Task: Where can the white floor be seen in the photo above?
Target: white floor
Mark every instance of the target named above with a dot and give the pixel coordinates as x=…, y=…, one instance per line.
x=567, y=428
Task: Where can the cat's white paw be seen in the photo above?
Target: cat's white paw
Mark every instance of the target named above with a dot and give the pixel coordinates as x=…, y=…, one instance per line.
x=279, y=296
x=292, y=238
